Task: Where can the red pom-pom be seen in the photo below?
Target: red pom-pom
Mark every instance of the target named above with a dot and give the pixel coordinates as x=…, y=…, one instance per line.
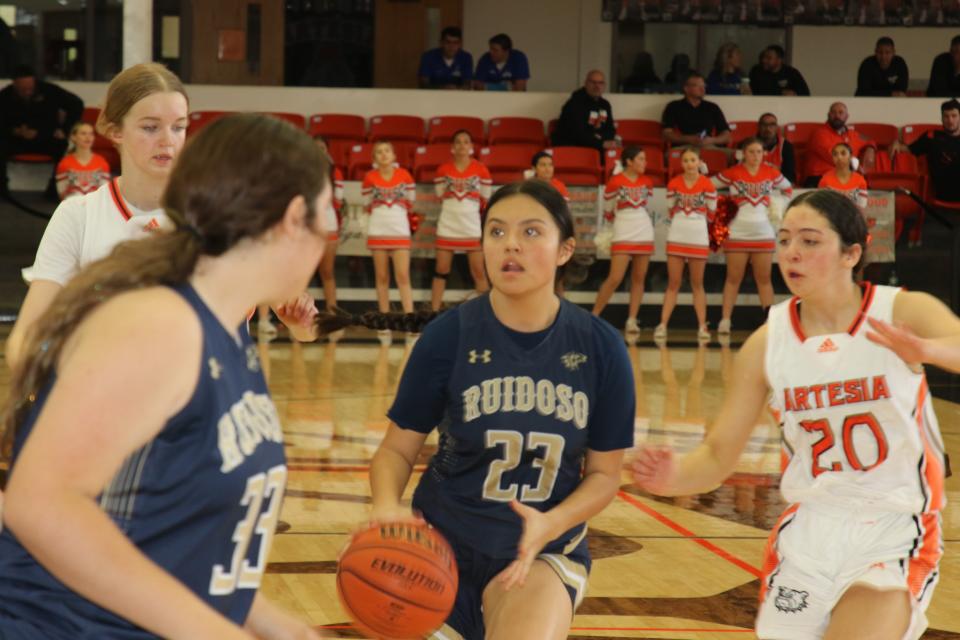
x=413, y=220
x=719, y=227
x=609, y=216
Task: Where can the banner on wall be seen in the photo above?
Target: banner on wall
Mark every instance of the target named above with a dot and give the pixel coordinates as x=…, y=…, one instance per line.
x=785, y=12
x=586, y=206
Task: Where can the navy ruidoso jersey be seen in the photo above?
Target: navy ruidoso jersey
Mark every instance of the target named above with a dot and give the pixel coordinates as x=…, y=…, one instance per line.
x=201, y=500
x=516, y=412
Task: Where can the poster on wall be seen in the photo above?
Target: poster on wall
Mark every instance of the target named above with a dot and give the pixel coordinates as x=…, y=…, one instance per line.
x=787, y=12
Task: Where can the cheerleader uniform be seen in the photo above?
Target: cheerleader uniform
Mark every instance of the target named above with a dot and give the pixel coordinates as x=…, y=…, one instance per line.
x=690, y=209
x=751, y=230
x=388, y=202
x=562, y=188
x=625, y=203
x=855, y=188
x=331, y=217
x=464, y=195
x=75, y=179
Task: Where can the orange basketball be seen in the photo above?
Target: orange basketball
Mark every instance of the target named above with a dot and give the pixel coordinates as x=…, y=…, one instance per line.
x=398, y=580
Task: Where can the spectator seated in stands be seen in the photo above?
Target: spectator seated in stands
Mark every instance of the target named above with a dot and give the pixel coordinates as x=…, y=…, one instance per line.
x=36, y=117
x=942, y=150
x=824, y=139
x=643, y=78
x=448, y=66
x=773, y=77
x=587, y=117
x=502, y=68
x=679, y=72
x=884, y=73
x=727, y=77
x=694, y=121
x=945, y=72
x=777, y=150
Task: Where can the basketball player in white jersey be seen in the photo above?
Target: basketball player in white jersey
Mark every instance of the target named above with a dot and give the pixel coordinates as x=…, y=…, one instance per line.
x=856, y=553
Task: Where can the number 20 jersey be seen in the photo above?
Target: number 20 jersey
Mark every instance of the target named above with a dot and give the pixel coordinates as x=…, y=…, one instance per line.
x=859, y=430
x=201, y=500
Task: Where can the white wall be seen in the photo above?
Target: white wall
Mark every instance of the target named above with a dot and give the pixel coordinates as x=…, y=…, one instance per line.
x=829, y=57
x=563, y=39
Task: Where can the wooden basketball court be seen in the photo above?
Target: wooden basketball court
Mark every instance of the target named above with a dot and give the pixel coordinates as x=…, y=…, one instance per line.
x=663, y=568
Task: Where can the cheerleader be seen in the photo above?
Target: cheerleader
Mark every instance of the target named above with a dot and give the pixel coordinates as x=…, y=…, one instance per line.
x=463, y=185
x=625, y=205
x=844, y=176
x=388, y=196
x=81, y=171
x=751, y=240
x=332, y=217
x=692, y=202
x=542, y=165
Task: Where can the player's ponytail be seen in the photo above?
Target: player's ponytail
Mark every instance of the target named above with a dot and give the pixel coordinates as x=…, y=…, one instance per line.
x=339, y=319
x=216, y=198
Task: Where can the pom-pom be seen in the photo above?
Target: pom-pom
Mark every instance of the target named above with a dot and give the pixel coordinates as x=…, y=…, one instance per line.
x=413, y=220
x=528, y=174
x=720, y=225
x=604, y=238
x=775, y=211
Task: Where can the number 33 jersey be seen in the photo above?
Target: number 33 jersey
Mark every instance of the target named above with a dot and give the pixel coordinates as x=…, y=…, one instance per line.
x=858, y=426
x=201, y=500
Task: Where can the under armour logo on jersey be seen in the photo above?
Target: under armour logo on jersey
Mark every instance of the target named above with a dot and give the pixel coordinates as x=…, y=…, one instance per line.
x=827, y=345
x=791, y=600
x=573, y=360
x=215, y=368
x=475, y=357
x=253, y=361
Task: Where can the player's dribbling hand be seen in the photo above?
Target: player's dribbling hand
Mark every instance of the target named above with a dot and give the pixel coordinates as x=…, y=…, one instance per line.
x=910, y=347
x=537, y=532
x=654, y=468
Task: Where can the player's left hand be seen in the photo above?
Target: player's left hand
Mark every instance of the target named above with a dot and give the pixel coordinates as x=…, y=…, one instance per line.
x=274, y=623
x=910, y=347
x=537, y=532
x=301, y=311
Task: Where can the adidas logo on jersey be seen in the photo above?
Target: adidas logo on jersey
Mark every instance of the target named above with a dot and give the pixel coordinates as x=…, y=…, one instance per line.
x=483, y=357
x=827, y=345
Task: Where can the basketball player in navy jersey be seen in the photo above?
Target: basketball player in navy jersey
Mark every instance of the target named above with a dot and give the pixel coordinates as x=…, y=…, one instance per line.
x=534, y=399
x=856, y=553
x=147, y=468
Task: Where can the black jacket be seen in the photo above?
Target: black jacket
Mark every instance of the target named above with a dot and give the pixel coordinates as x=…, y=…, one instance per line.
x=767, y=83
x=874, y=81
x=41, y=111
x=585, y=122
x=944, y=81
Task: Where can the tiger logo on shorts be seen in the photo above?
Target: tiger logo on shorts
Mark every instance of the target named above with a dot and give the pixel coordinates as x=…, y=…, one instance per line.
x=791, y=600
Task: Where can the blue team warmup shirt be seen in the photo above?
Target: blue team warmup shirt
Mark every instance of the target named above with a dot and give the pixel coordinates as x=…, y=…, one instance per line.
x=179, y=499
x=496, y=78
x=516, y=413
x=434, y=67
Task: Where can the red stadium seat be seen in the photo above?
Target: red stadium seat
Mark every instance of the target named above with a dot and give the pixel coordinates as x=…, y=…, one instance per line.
x=577, y=165
x=295, y=119
x=427, y=158
x=716, y=159
x=551, y=127
x=798, y=133
x=338, y=126
x=740, y=130
x=200, y=119
x=905, y=162
x=640, y=133
x=507, y=162
x=32, y=158
x=910, y=132
x=101, y=144
x=515, y=131
x=90, y=115
x=904, y=205
x=883, y=134
x=442, y=128
x=397, y=129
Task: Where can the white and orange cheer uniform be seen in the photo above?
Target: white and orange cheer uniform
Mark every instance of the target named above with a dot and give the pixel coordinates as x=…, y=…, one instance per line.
x=863, y=470
x=464, y=195
x=87, y=228
x=751, y=229
x=625, y=201
x=388, y=202
x=854, y=188
x=75, y=179
x=562, y=188
x=690, y=209
x=331, y=220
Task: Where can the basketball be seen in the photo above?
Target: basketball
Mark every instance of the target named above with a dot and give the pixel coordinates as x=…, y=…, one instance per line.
x=398, y=580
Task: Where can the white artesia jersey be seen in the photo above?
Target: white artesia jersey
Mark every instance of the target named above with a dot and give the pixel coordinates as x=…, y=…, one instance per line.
x=87, y=228
x=858, y=427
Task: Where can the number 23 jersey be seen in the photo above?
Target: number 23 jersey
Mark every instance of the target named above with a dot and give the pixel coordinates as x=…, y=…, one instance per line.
x=859, y=430
x=516, y=417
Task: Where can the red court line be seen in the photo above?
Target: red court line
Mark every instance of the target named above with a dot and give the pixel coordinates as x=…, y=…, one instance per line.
x=706, y=544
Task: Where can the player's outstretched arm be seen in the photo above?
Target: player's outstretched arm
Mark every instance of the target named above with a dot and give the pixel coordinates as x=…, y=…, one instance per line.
x=120, y=377
x=267, y=621
x=390, y=471
x=39, y=296
x=924, y=331
x=658, y=470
